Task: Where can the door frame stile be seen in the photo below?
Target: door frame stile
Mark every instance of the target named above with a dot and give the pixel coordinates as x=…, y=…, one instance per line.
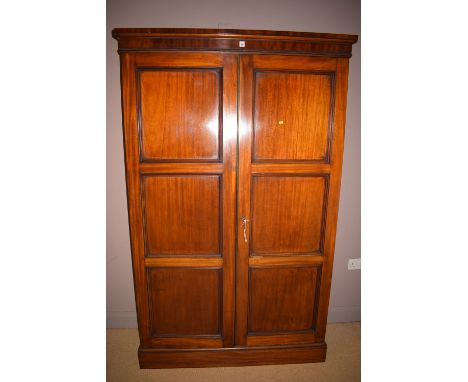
x=243, y=197
x=230, y=94
x=131, y=155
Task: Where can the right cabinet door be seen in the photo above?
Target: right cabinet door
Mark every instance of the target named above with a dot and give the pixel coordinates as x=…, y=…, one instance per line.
x=291, y=133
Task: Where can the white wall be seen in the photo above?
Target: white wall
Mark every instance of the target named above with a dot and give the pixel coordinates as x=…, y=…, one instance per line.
x=332, y=16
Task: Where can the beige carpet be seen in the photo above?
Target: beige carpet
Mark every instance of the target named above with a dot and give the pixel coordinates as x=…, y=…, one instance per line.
x=343, y=362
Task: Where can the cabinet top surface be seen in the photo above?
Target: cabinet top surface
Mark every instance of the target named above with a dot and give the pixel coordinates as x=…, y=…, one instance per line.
x=233, y=40
x=119, y=33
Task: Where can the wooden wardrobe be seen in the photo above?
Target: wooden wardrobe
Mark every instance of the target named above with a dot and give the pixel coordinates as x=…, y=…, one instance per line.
x=233, y=153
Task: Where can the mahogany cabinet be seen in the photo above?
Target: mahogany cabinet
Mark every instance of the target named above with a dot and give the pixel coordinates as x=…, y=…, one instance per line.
x=233, y=152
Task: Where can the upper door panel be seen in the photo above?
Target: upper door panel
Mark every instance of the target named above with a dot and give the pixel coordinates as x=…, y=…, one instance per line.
x=180, y=114
x=293, y=111
x=292, y=115
x=180, y=110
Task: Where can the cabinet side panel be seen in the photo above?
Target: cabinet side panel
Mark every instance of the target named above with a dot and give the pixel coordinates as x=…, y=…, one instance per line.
x=339, y=123
x=131, y=146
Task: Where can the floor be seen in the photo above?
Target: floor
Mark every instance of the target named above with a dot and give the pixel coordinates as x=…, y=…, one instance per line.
x=343, y=362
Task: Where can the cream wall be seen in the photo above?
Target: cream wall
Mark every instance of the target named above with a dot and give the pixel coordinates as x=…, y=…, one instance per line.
x=333, y=16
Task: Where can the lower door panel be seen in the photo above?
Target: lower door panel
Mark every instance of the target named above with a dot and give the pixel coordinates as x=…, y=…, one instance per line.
x=282, y=304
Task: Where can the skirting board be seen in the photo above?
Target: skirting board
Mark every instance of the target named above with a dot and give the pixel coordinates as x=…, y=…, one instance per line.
x=128, y=320
x=344, y=314
x=121, y=320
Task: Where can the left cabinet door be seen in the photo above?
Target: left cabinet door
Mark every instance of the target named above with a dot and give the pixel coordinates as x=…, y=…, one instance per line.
x=180, y=136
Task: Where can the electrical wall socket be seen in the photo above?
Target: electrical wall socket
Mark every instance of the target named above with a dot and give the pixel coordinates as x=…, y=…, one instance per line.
x=354, y=264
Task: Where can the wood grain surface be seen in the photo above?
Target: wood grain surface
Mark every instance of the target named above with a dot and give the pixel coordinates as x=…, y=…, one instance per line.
x=185, y=301
x=180, y=114
x=182, y=214
x=287, y=214
x=292, y=115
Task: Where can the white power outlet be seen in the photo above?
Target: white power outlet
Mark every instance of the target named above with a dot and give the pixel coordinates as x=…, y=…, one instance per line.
x=354, y=264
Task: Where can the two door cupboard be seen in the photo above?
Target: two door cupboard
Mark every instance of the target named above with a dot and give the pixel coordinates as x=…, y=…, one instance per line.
x=233, y=151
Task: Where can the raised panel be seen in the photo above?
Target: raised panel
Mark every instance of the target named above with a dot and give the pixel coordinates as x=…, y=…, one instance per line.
x=287, y=214
x=182, y=215
x=282, y=299
x=292, y=115
x=180, y=117
x=185, y=301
